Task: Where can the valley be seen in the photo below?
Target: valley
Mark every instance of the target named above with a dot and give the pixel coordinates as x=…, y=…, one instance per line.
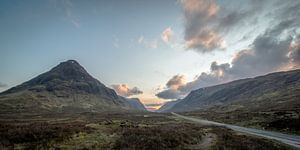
x=150, y=75
x=67, y=108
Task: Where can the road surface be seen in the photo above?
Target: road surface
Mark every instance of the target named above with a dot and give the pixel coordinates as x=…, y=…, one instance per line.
x=292, y=140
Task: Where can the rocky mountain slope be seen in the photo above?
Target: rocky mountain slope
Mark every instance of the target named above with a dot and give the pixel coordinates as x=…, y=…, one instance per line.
x=280, y=91
x=136, y=103
x=167, y=106
x=66, y=88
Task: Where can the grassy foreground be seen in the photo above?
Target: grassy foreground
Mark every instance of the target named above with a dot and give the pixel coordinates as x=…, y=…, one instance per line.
x=273, y=120
x=120, y=131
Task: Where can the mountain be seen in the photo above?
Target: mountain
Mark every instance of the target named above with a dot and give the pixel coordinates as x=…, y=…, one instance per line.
x=67, y=87
x=167, y=106
x=136, y=103
x=280, y=91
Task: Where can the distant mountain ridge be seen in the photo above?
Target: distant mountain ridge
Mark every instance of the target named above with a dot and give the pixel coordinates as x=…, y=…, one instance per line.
x=67, y=87
x=280, y=90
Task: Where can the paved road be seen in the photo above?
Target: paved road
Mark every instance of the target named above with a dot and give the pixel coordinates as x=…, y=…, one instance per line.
x=292, y=140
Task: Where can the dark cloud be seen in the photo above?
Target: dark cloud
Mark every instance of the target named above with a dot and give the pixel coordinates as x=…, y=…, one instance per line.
x=170, y=94
x=206, y=22
x=231, y=19
x=176, y=81
x=124, y=90
x=172, y=88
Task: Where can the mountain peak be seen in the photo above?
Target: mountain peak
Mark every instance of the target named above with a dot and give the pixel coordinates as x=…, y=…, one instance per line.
x=70, y=69
x=67, y=75
x=70, y=63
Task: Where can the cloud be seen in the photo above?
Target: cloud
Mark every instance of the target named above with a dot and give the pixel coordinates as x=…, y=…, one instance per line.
x=206, y=40
x=3, y=85
x=170, y=94
x=141, y=39
x=276, y=49
x=217, y=74
x=295, y=52
x=67, y=7
x=268, y=54
x=167, y=35
x=206, y=23
x=116, y=42
x=199, y=32
x=148, y=43
x=124, y=90
x=171, y=90
x=176, y=81
x=204, y=8
x=230, y=19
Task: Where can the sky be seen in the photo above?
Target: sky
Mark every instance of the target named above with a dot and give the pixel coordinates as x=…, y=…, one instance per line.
x=155, y=50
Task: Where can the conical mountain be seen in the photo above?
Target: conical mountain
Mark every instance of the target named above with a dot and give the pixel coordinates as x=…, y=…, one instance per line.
x=68, y=87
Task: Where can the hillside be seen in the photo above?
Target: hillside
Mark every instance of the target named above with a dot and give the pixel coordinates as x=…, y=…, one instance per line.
x=136, y=103
x=66, y=88
x=167, y=106
x=280, y=91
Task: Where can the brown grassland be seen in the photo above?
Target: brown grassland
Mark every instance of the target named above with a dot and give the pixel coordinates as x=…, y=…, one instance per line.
x=120, y=131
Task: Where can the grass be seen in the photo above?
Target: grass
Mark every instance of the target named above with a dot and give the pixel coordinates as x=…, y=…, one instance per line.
x=273, y=120
x=227, y=139
x=118, y=131
x=38, y=135
x=172, y=136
